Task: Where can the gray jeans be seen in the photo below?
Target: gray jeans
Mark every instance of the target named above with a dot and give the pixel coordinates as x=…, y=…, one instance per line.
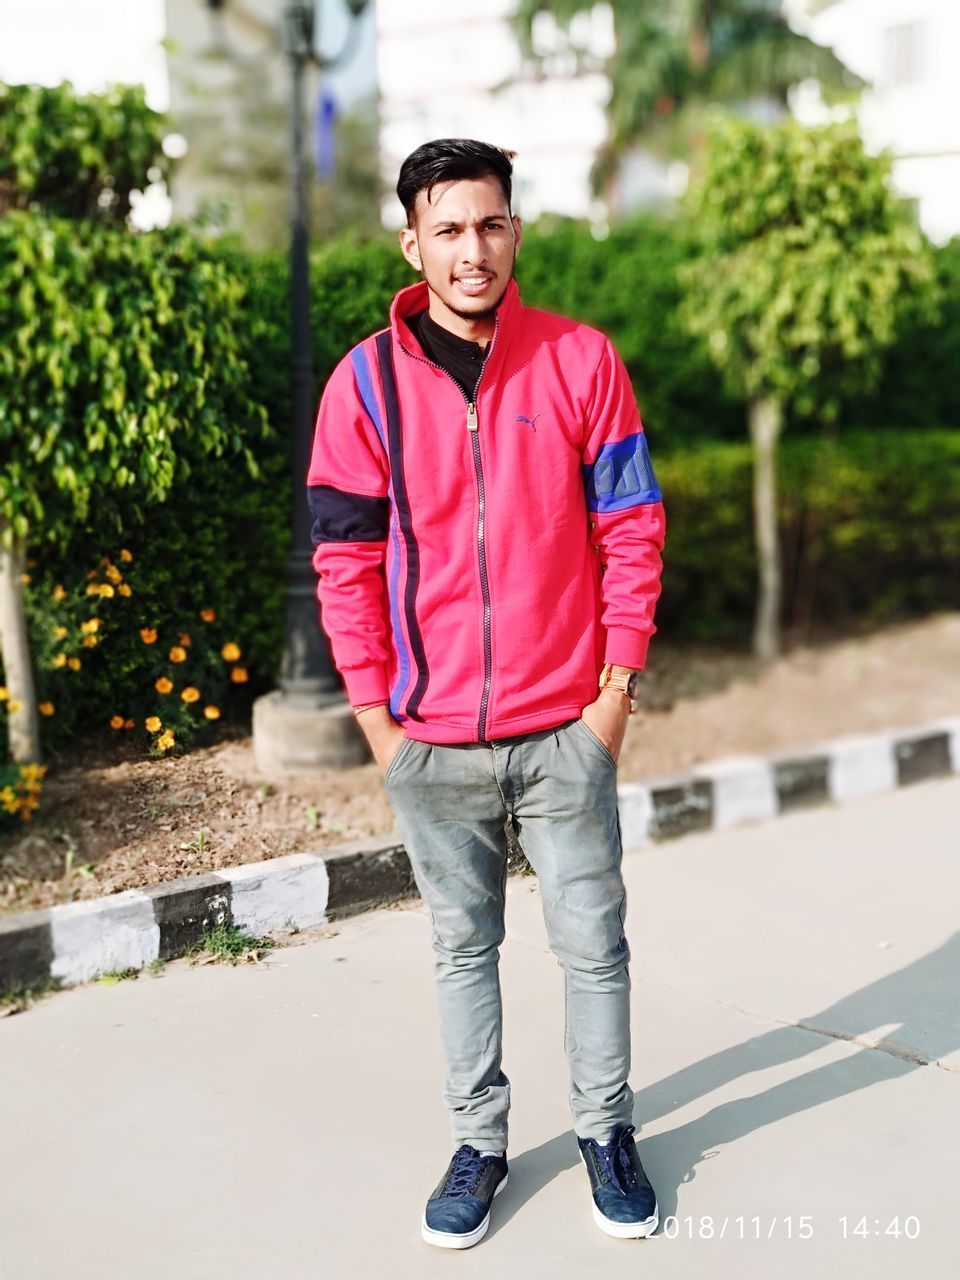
x=451, y=804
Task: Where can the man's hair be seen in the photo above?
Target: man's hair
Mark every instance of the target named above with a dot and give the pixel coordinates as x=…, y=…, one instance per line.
x=451, y=160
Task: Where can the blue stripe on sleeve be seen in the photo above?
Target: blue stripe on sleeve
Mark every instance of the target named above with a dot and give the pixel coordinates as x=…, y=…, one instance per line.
x=621, y=477
x=361, y=371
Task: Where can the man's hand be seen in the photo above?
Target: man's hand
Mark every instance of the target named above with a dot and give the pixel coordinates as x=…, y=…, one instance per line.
x=607, y=719
x=383, y=733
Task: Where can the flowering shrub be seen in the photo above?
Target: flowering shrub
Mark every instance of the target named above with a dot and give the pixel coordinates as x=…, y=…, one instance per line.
x=19, y=788
x=101, y=664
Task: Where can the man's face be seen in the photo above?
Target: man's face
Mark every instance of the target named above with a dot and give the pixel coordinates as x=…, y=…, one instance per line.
x=465, y=242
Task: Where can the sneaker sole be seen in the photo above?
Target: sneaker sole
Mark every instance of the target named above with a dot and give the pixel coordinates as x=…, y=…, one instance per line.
x=627, y=1230
x=448, y=1240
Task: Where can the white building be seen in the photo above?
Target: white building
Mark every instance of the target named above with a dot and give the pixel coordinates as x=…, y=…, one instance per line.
x=907, y=50
x=452, y=68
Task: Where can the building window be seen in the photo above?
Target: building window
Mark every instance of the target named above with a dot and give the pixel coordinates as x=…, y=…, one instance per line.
x=902, y=54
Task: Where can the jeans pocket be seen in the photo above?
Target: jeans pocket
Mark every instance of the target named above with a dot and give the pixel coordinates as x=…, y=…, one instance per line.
x=402, y=751
x=592, y=737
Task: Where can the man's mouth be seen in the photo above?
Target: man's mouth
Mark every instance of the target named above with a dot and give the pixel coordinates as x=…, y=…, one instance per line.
x=473, y=284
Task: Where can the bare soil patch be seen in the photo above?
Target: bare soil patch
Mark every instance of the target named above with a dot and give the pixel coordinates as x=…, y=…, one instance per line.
x=110, y=821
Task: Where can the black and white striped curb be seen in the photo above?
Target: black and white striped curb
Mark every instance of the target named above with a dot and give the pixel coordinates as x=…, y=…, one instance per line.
x=80, y=941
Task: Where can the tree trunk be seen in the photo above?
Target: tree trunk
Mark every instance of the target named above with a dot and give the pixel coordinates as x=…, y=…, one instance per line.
x=23, y=723
x=766, y=419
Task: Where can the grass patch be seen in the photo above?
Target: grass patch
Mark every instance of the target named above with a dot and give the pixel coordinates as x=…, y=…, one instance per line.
x=229, y=942
x=20, y=998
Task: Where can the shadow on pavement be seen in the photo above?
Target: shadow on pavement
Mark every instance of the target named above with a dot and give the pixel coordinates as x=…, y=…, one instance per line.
x=917, y=1000
x=921, y=1002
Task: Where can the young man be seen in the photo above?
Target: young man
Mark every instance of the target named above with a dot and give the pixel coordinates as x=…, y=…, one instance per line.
x=488, y=531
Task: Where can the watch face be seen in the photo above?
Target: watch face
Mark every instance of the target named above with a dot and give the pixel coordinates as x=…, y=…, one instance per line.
x=633, y=685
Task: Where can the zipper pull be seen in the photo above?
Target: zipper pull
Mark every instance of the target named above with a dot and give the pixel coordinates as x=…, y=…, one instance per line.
x=472, y=424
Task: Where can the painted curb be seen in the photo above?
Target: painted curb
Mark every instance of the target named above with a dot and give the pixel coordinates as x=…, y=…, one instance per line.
x=80, y=941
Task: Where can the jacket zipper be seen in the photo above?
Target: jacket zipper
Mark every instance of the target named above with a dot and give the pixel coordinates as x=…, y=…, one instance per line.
x=473, y=426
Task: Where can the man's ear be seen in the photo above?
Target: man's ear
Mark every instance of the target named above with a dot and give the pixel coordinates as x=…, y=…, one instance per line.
x=409, y=247
x=518, y=232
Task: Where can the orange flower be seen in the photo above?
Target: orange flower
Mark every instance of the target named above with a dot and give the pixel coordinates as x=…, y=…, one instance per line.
x=184, y=639
x=124, y=589
x=190, y=694
x=60, y=660
x=59, y=593
x=208, y=615
x=25, y=579
x=116, y=722
x=129, y=724
x=163, y=685
x=230, y=652
x=60, y=632
x=73, y=664
x=212, y=713
x=148, y=635
x=45, y=708
x=89, y=641
x=107, y=590
x=239, y=675
x=90, y=627
x=125, y=555
x=177, y=654
x=113, y=573
x=93, y=588
x=152, y=724
x=166, y=741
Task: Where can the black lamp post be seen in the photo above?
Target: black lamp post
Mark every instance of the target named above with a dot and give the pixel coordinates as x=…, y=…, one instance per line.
x=306, y=722
x=306, y=676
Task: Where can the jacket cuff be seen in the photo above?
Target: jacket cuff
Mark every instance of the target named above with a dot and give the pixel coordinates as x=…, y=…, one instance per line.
x=626, y=648
x=366, y=684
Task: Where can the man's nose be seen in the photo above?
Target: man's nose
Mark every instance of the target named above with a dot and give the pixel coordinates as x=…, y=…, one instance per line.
x=472, y=247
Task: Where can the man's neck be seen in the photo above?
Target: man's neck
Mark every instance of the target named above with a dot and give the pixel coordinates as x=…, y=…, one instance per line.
x=480, y=330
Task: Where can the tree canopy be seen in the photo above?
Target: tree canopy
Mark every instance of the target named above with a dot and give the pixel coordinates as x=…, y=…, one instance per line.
x=77, y=156
x=807, y=260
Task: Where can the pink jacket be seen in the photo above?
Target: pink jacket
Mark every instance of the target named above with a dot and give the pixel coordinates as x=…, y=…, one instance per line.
x=479, y=562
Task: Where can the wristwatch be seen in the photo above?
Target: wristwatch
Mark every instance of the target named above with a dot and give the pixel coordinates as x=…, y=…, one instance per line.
x=628, y=682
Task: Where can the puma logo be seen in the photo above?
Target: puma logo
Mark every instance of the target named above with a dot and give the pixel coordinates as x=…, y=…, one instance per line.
x=531, y=422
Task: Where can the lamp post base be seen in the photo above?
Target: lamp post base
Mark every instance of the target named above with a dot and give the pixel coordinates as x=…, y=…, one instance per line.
x=289, y=737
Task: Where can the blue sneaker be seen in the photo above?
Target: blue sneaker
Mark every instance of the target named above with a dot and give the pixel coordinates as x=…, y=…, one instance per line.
x=458, y=1213
x=624, y=1203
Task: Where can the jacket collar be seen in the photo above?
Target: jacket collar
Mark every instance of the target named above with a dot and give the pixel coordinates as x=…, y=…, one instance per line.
x=416, y=298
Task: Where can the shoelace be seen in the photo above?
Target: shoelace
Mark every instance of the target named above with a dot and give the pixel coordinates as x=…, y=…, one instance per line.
x=615, y=1163
x=464, y=1171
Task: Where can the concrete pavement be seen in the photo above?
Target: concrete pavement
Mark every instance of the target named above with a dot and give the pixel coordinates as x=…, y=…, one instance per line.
x=796, y=1003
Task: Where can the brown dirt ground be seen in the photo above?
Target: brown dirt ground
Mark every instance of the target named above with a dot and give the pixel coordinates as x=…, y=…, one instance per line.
x=132, y=821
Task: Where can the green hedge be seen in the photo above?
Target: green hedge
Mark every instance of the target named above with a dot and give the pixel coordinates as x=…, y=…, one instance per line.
x=869, y=528
x=919, y=385
x=129, y=420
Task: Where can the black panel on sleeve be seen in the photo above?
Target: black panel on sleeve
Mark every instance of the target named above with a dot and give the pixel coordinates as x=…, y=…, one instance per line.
x=347, y=517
